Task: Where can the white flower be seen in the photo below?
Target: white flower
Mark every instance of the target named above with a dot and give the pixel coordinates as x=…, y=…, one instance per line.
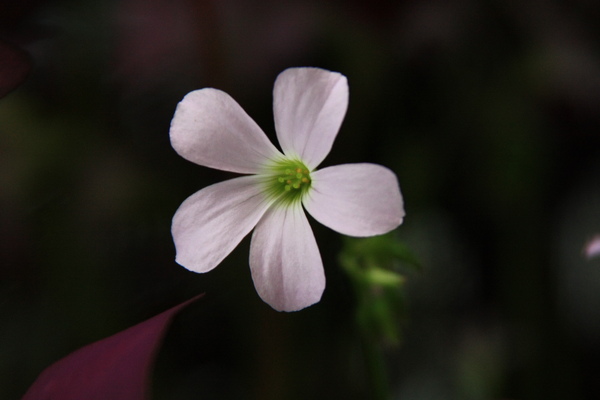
x=209, y=128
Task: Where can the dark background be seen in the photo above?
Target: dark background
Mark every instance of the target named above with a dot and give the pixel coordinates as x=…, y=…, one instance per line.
x=488, y=112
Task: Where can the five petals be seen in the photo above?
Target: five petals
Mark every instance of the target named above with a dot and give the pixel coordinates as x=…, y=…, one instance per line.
x=211, y=129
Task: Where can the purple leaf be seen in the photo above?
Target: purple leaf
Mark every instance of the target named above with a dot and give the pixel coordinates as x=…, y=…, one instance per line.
x=115, y=368
x=14, y=67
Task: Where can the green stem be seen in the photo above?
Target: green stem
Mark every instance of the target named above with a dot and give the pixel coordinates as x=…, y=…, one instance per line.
x=376, y=369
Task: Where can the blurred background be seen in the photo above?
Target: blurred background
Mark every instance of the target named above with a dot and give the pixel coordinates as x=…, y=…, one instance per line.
x=488, y=112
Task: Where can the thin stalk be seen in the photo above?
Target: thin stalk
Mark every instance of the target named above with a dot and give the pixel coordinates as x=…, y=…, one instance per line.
x=376, y=368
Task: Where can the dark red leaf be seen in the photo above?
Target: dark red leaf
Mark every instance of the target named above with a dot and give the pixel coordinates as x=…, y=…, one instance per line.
x=14, y=67
x=115, y=368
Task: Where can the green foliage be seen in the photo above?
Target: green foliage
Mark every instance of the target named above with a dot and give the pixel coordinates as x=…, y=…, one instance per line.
x=378, y=268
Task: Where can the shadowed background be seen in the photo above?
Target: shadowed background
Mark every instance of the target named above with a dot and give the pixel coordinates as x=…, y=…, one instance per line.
x=488, y=112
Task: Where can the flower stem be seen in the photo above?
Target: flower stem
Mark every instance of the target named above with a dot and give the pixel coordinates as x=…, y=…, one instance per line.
x=372, y=265
x=376, y=369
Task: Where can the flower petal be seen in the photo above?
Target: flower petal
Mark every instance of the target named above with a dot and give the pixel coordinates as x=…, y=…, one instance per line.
x=356, y=199
x=209, y=128
x=309, y=105
x=284, y=258
x=211, y=222
x=592, y=248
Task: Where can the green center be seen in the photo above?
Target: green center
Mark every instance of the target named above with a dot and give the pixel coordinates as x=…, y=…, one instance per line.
x=287, y=180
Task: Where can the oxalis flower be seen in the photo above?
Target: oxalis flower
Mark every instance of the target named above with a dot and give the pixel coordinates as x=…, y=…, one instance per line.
x=209, y=128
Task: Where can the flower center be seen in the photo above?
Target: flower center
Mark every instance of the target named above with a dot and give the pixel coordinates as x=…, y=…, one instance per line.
x=288, y=180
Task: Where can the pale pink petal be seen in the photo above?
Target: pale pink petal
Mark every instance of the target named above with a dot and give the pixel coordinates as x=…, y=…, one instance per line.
x=356, y=199
x=209, y=128
x=210, y=223
x=592, y=248
x=284, y=258
x=309, y=105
